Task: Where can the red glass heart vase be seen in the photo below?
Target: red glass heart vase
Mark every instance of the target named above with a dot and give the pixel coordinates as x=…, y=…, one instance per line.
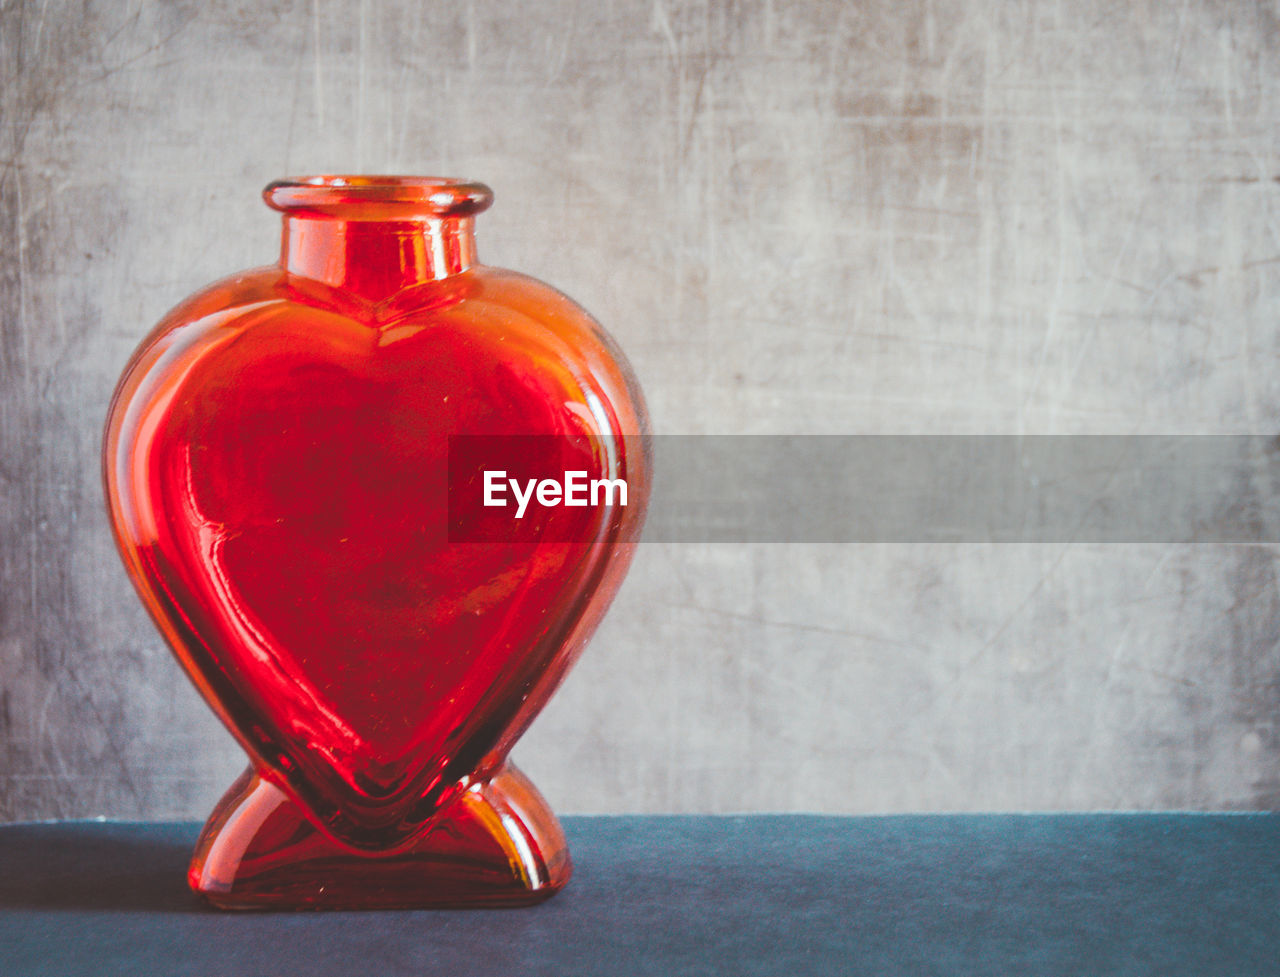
x=283, y=476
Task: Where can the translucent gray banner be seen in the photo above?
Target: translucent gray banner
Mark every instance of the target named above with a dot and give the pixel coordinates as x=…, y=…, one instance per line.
x=908, y=489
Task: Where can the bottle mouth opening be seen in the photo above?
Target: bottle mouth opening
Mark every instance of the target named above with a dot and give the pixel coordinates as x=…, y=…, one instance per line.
x=360, y=197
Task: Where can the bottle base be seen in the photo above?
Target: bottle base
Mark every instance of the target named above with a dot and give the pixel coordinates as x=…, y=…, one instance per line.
x=498, y=845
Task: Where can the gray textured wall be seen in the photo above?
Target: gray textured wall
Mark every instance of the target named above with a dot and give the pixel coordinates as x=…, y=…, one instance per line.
x=924, y=216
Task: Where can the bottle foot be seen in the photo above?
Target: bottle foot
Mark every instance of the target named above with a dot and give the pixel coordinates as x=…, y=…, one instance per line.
x=499, y=844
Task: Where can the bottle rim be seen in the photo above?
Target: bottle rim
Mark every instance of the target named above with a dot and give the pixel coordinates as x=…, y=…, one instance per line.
x=377, y=197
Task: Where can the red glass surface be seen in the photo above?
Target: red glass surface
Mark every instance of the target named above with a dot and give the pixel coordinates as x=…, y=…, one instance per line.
x=276, y=463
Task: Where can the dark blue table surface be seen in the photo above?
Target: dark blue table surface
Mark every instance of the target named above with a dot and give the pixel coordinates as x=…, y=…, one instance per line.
x=1005, y=895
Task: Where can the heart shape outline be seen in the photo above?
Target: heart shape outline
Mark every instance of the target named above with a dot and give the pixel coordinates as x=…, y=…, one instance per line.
x=169, y=400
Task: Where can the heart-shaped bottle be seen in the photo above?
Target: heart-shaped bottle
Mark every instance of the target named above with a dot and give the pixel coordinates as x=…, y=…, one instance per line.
x=281, y=464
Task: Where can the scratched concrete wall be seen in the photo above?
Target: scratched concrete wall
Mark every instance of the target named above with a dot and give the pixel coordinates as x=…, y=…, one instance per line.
x=883, y=216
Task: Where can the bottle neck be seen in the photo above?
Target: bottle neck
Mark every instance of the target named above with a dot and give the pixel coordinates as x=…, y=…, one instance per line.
x=375, y=259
